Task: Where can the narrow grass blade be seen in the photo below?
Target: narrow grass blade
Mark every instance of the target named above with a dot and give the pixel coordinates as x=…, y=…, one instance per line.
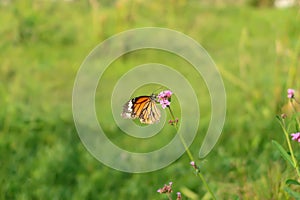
x=292, y=182
x=283, y=153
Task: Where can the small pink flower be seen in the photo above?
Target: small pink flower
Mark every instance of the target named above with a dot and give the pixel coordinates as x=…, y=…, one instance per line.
x=164, y=98
x=166, y=188
x=290, y=93
x=165, y=94
x=164, y=103
x=296, y=136
x=193, y=163
x=178, y=196
x=168, y=93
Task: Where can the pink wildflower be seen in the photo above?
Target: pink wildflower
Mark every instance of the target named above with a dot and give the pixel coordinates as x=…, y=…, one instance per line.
x=164, y=98
x=296, y=136
x=166, y=189
x=178, y=196
x=193, y=163
x=165, y=94
x=164, y=103
x=290, y=93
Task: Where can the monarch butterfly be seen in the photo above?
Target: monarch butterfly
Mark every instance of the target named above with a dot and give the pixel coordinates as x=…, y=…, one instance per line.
x=142, y=107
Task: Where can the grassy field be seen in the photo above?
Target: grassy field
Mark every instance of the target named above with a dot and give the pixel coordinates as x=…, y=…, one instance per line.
x=43, y=44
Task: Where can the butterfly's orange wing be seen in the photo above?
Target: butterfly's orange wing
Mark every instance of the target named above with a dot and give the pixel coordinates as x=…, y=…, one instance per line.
x=144, y=108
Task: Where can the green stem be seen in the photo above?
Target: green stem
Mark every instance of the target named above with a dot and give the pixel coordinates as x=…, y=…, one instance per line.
x=200, y=175
x=206, y=185
x=296, y=166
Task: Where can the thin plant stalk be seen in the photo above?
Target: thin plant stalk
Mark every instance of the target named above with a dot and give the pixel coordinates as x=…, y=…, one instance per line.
x=296, y=166
x=200, y=175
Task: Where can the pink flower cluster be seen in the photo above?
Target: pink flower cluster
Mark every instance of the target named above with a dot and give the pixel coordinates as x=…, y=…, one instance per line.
x=164, y=98
x=166, y=188
x=296, y=136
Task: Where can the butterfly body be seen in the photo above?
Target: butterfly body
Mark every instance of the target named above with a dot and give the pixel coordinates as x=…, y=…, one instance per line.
x=142, y=107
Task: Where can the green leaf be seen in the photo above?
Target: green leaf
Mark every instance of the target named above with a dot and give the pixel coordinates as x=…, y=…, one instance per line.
x=292, y=182
x=283, y=153
x=292, y=193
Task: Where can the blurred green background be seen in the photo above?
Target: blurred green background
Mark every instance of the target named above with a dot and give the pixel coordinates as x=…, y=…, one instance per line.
x=43, y=43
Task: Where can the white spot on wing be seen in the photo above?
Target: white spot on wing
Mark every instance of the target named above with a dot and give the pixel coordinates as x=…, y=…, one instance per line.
x=129, y=106
x=127, y=110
